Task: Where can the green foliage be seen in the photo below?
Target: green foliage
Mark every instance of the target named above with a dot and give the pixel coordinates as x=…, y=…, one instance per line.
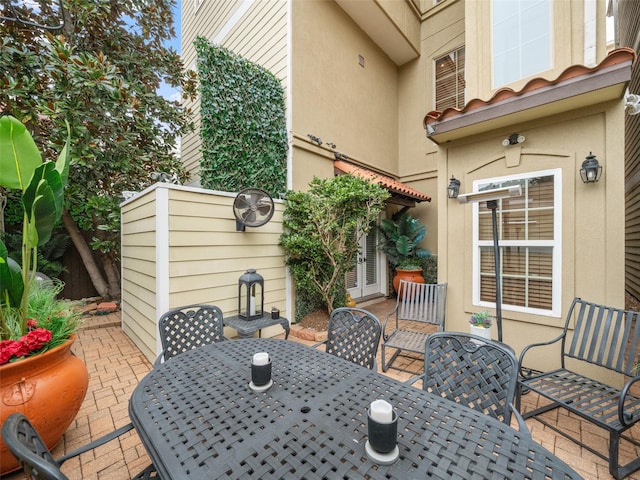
x=319, y=238
x=50, y=312
x=306, y=302
x=244, y=135
x=42, y=185
x=400, y=240
x=481, y=319
x=49, y=255
x=100, y=74
x=429, y=268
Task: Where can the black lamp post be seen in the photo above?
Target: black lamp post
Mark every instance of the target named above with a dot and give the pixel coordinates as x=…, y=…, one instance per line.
x=250, y=295
x=591, y=169
x=493, y=206
x=491, y=198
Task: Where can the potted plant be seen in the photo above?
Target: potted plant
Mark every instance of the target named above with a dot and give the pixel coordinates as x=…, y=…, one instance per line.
x=400, y=240
x=480, y=324
x=38, y=373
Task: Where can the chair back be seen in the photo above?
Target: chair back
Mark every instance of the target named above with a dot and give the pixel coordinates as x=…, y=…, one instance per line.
x=190, y=327
x=422, y=302
x=605, y=336
x=354, y=334
x=22, y=439
x=478, y=373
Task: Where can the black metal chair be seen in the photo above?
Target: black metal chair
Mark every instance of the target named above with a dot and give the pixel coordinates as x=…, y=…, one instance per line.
x=189, y=327
x=467, y=369
x=23, y=440
x=353, y=334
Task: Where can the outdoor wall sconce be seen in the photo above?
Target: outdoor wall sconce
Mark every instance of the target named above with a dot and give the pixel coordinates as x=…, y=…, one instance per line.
x=591, y=169
x=454, y=187
x=250, y=295
x=513, y=139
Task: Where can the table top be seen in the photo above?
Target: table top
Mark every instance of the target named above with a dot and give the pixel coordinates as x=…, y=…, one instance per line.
x=198, y=418
x=265, y=320
x=246, y=327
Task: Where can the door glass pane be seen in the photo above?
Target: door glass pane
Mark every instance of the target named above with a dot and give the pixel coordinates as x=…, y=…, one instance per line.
x=371, y=250
x=351, y=277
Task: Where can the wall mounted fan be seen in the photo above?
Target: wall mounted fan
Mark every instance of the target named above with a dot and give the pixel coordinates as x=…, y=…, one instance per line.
x=252, y=207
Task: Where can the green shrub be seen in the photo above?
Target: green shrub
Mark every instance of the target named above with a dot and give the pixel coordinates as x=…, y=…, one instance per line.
x=319, y=238
x=430, y=268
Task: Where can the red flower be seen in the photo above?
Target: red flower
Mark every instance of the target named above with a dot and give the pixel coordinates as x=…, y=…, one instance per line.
x=32, y=323
x=35, y=339
x=31, y=342
x=12, y=348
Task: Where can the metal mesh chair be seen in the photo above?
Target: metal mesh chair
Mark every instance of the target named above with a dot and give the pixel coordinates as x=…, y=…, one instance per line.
x=353, y=334
x=189, y=327
x=481, y=374
x=419, y=305
x=23, y=440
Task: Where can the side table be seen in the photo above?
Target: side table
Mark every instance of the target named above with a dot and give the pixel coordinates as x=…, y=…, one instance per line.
x=246, y=328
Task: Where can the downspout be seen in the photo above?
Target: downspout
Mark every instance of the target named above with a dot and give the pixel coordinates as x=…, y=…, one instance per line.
x=590, y=32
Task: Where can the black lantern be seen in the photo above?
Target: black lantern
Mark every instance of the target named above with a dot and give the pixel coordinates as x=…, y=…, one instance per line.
x=250, y=295
x=454, y=187
x=591, y=170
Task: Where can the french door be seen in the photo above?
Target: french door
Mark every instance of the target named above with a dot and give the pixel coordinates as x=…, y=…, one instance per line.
x=364, y=278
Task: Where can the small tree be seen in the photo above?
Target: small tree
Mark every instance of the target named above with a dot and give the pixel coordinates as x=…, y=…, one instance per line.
x=321, y=234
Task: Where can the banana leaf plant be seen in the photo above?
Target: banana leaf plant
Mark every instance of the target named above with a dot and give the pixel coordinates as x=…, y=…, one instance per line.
x=42, y=185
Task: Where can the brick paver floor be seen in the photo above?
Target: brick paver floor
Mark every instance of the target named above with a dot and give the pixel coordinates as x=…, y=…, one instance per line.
x=116, y=366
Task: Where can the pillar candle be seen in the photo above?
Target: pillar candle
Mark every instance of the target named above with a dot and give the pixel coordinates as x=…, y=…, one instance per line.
x=381, y=411
x=252, y=306
x=261, y=358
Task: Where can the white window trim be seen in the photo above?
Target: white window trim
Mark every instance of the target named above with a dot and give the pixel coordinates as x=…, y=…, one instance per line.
x=556, y=243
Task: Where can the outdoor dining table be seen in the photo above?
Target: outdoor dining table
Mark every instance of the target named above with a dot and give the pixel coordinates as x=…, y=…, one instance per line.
x=198, y=418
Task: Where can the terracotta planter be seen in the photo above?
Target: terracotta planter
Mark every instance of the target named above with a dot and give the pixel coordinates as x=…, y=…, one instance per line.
x=48, y=389
x=408, y=275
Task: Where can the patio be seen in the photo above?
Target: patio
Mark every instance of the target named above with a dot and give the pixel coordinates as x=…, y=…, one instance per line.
x=116, y=366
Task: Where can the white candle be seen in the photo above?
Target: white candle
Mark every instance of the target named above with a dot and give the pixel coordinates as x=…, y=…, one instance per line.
x=381, y=411
x=261, y=358
x=252, y=306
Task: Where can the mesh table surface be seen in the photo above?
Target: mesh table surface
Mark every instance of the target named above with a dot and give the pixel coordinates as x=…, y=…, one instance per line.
x=198, y=418
x=246, y=328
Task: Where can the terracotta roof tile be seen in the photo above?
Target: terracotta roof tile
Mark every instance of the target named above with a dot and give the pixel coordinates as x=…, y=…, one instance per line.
x=613, y=58
x=385, y=181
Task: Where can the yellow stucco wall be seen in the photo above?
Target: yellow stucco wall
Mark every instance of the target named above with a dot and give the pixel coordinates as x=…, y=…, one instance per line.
x=333, y=96
x=568, y=43
x=592, y=214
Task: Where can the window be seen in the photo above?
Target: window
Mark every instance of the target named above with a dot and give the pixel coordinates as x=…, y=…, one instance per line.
x=521, y=39
x=450, y=82
x=529, y=238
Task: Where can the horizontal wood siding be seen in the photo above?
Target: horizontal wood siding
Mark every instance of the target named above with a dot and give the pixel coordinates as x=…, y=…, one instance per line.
x=139, y=272
x=206, y=258
x=259, y=36
x=629, y=25
x=207, y=255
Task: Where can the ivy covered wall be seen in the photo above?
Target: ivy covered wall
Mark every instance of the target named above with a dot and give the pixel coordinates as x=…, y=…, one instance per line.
x=244, y=135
